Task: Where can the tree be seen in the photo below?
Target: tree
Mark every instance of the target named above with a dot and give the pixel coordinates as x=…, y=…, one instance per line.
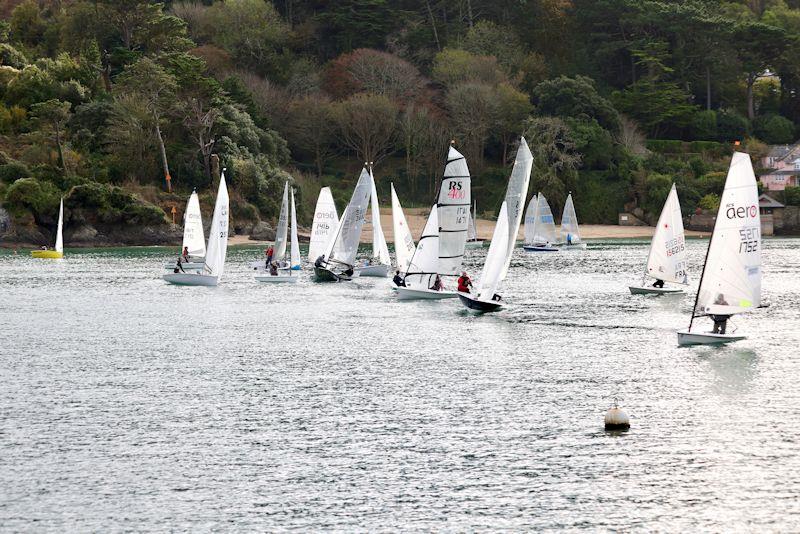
x=367, y=125
x=311, y=128
x=156, y=88
x=513, y=107
x=657, y=106
x=371, y=71
x=758, y=47
x=129, y=136
x=422, y=139
x=575, y=97
x=453, y=66
x=54, y=114
x=555, y=159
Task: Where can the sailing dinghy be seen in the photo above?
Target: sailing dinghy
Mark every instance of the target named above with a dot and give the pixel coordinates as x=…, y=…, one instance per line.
x=337, y=262
x=731, y=279
x=194, y=239
x=216, y=249
x=381, y=261
x=542, y=232
x=326, y=220
x=58, y=251
x=667, y=258
x=472, y=231
x=485, y=297
x=569, y=227
x=281, y=235
x=285, y=275
x=447, y=228
x=404, y=246
x=504, y=239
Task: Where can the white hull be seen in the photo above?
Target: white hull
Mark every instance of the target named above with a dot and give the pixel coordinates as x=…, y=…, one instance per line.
x=650, y=290
x=706, y=338
x=577, y=246
x=189, y=266
x=474, y=244
x=190, y=279
x=378, y=271
x=277, y=279
x=408, y=293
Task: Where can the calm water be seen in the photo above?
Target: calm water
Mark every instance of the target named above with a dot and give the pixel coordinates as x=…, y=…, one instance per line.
x=129, y=404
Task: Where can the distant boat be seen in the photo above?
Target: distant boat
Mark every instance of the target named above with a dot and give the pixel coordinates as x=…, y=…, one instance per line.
x=338, y=261
x=542, y=233
x=570, y=233
x=216, y=249
x=504, y=238
x=447, y=228
x=286, y=275
x=483, y=300
x=667, y=258
x=404, y=246
x=472, y=231
x=326, y=221
x=194, y=239
x=381, y=261
x=731, y=279
x=281, y=237
x=58, y=250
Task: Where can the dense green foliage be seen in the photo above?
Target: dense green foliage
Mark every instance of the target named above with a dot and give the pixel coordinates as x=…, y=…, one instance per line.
x=617, y=98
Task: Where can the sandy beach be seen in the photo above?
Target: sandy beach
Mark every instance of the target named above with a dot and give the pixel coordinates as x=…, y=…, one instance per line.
x=416, y=218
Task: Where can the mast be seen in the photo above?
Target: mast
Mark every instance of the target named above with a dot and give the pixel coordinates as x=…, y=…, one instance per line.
x=702, y=274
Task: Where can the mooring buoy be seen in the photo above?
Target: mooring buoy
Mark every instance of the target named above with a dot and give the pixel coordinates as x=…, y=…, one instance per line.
x=617, y=419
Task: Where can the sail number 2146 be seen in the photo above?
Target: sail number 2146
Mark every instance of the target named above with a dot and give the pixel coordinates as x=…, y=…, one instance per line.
x=749, y=239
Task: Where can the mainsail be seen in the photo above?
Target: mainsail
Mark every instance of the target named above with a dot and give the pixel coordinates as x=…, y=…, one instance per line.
x=283, y=225
x=472, y=232
x=60, y=230
x=569, y=223
x=530, y=220
x=193, y=238
x=731, y=280
x=424, y=263
x=379, y=248
x=496, y=258
x=218, y=233
x=667, y=259
x=403, y=240
x=294, y=255
x=343, y=247
x=515, y=197
x=326, y=221
x=545, y=232
x=453, y=206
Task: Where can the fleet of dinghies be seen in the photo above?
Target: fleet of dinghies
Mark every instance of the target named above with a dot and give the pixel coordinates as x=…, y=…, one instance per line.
x=730, y=282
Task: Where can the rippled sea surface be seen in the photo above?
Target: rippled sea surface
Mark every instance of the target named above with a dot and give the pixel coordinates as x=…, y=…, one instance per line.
x=130, y=404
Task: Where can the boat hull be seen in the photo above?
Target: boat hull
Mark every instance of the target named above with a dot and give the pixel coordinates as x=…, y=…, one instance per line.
x=190, y=266
x=535, y=248
x=277, y=279
x=321, y=274
x=474, y=244
x=191, y=279
x=650, y=290
x=377, y=271
x=47, y=254
x=410, y=293
x=476, y=305
x=686, y=338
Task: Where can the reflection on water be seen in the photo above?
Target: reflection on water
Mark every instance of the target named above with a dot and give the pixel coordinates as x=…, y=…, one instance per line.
x=129, y=404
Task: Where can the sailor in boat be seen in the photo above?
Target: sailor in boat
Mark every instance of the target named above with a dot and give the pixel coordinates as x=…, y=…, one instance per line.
x=185, y=254
x=496, y=297
x=659, y=283
x=178, y=267
x=349, y=272
x=720, y=321
x=398, y=280
x=273, y=269
x=319, y=261
x=44, y=247
x=464, y=283
x=569, y=239
x=437, y=284
x=269, y=252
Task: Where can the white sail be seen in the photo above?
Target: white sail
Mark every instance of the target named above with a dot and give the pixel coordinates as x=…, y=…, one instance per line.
x=472, y=232
x=218, y=233
x=667, y=259
x=424, y=264
x=496, y=257
x=294, y=255
x=281, y=233
x=515, y=197
x=545, y=232
x=379, y=248
x=569, y=223
x=453, y=205
x=403, y=240
x=193, y=237
x=343, y=247
x=60, y=229
x=731, y=280
x=326, y=221
x=530, y=220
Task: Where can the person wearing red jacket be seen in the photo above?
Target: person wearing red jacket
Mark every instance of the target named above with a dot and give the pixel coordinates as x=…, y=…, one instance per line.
x=464, y=283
